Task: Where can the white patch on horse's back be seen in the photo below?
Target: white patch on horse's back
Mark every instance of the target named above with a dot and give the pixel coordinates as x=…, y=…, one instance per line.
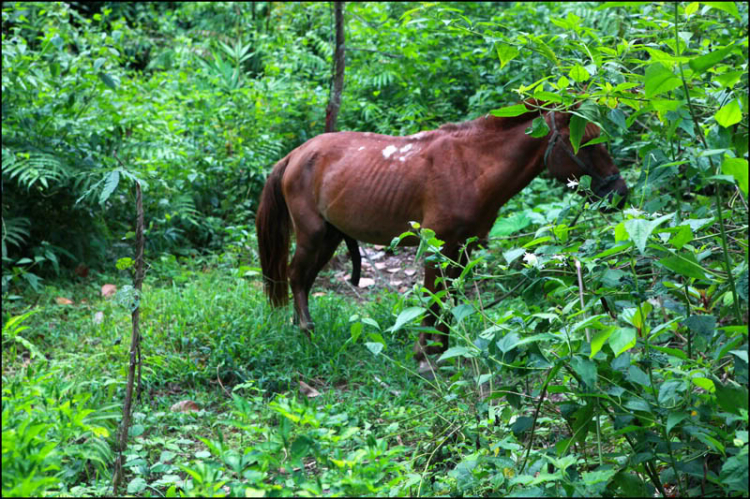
x=418, y=135
x=361, y=148
x=367, y=134
x=402, y=159
x=405, y=148
x=389, y=150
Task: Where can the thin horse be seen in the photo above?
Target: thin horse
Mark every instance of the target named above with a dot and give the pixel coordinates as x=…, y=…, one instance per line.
x=368, y=187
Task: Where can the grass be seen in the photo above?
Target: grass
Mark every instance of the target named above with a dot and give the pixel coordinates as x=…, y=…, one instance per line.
x=628, y=419
x=211, y=338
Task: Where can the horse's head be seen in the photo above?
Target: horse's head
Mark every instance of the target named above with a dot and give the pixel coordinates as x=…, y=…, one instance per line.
x=593, y=160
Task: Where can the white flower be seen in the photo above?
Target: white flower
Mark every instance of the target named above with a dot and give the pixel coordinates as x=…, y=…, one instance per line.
x=633, y=211
x=572, y=183
x=529, y=258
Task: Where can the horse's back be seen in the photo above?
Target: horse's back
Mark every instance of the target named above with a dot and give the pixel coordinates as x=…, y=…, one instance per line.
x=367, y=185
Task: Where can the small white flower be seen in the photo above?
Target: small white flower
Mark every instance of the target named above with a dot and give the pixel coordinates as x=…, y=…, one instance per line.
x=529, y=258
x=633, y=212
x=572, y=183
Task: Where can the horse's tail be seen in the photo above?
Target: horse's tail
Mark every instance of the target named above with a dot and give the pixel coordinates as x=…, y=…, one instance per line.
x=273, y=226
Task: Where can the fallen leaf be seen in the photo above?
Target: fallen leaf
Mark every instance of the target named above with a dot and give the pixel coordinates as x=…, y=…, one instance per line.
x=108, y=290
x=308, y=390
x=185, y=406
x=319, y=293
x=410, y=272
x=396, y=283
x=63, y=301
x=394, y=270
x=381, y=265
x=365, y=282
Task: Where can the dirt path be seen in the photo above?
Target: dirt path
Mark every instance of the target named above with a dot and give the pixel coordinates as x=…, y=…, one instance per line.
x=380, y=270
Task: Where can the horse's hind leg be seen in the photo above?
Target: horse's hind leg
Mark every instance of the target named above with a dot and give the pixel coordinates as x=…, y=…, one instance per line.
x=356, y=257
x=314, y=249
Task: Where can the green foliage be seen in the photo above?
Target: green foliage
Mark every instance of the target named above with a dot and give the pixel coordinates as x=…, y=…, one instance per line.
x=631, y=381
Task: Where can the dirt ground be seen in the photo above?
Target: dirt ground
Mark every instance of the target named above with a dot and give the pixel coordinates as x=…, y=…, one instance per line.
x=396, y=272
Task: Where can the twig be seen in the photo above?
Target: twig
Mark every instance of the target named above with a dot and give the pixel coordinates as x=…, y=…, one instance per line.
x=580, y=294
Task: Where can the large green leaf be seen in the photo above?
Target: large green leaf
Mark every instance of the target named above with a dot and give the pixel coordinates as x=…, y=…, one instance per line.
x=622, y=339
x=728, y=7
x=586, y=369
x=730, y=114
x=510, y=111
x=684, y=264
x=577, y=127
x=578, y=73
x=406, y=316
x=705, y=62
x=506, y=53
x=640, y=229
x=660, y=80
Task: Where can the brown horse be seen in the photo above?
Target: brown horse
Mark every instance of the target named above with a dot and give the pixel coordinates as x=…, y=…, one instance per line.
x=368, y=187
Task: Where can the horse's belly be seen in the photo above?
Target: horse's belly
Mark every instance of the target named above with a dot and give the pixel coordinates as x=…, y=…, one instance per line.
x=371, y=226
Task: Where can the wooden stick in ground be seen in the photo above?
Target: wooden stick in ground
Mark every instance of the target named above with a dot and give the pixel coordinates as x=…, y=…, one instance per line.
x=135, y=357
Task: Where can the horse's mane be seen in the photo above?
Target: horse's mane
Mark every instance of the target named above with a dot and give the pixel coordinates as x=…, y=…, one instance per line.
x=590, y=132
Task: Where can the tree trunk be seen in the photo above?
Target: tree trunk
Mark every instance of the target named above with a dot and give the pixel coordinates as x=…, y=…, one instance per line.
x=334, y=103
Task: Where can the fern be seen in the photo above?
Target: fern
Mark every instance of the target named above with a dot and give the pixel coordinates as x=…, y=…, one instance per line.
x=35, y=167
x=15, y=232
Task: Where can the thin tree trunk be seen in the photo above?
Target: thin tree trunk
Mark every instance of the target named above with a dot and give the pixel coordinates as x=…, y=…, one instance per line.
x=334, y=103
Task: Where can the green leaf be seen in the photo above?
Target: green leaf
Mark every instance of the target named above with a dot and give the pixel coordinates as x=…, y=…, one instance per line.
x=659, y=80
x=728, y=7
x=406, y=316
x=674, y=418
x=355, y=330
x=538, y=128
x=701, y=324
x=684, y=235
x=110, y=184
x=731, y=398
x=505, y=53
x=577, y=127
x=597, y=342
x=513, y=254
x=618, y=118
x=705, y=62
x=704, y=383
x=622, y=339
x=586, y=369
x=510, y=111
x=640, y=229
x=729, y=79
x=505, y=226
x=374, y=347
x=458, y=352
x=579, y=73
x=736, y=167
x=684, y=264
x=136, y=485
x=729, y=114
x=301, y=447
x=636, y=375
x=107, y=80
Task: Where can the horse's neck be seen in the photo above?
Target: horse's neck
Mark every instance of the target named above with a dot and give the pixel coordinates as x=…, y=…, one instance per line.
x=514, y=159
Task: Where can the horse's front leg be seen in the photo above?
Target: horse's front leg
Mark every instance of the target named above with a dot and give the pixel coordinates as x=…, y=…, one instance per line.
x=421, y=348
